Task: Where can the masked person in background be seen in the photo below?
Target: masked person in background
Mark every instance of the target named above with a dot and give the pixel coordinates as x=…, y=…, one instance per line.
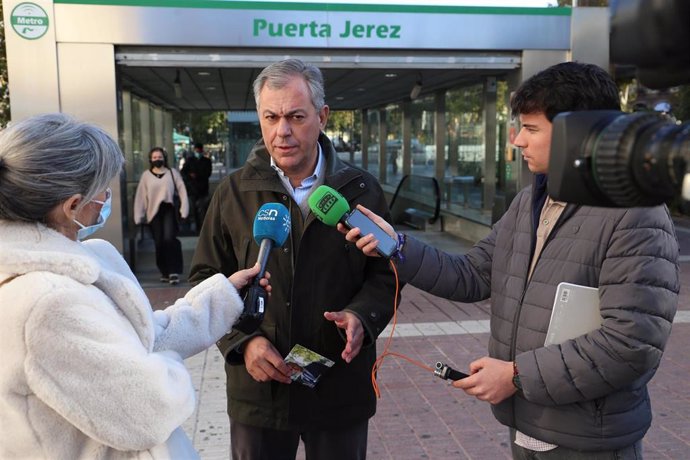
x=585, y=398
x=154, y=204
x=88, y=369
x=197, y=171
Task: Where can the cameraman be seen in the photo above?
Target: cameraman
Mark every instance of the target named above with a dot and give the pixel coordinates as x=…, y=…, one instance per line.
x=587, y=397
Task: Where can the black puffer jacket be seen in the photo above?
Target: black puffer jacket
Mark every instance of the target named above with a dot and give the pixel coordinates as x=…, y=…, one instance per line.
x=588, y=393
x=316, y=271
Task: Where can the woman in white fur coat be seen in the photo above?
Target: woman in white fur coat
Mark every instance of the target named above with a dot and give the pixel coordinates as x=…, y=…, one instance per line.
x=88, y=369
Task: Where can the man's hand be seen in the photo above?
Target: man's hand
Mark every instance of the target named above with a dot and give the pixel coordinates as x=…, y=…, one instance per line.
x=367, y=243
x=353, y=331
x=263, y=361
x=490, y=380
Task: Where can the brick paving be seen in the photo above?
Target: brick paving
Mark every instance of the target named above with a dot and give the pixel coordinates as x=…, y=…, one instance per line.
x=420, y=416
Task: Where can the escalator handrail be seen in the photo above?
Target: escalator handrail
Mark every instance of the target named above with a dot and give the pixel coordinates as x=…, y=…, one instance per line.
x=437, y=194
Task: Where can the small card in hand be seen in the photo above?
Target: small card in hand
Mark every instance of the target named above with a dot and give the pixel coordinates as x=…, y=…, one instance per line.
x=308, y=365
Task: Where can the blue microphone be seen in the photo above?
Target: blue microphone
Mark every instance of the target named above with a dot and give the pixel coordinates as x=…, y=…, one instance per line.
x=271, y=229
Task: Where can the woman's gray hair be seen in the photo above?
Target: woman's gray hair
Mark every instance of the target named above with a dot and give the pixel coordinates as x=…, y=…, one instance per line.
x=278, y=74
x=48, y=158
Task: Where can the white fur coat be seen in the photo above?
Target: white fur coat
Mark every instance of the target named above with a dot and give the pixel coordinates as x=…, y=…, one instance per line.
x=88, y=369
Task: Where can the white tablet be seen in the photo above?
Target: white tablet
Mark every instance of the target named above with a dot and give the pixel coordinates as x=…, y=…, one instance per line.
x=575, y=312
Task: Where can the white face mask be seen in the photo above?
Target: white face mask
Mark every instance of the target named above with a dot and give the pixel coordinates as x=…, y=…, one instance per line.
x=106, y=205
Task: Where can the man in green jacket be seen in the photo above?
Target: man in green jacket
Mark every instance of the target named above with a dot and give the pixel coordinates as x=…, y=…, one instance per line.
x=327, y=296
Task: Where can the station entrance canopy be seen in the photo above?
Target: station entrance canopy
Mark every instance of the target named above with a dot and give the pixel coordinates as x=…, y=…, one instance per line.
x=204, y=54
x=371, y=54
x=221, y=79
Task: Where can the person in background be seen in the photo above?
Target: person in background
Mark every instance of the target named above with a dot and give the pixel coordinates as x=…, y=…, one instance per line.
x=88, y=369
x=197, y=172
x=154, y=204
x=182, y=159
x=585, y=398
x=327, y=296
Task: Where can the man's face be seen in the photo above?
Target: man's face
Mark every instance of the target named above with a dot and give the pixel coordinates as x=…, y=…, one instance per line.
x=534, y=139
x=290, y=127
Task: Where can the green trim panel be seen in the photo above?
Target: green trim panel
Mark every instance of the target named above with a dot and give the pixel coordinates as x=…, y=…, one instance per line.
x=340, y=7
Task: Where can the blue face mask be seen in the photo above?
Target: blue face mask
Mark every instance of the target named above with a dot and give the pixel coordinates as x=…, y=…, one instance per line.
x=85, y=231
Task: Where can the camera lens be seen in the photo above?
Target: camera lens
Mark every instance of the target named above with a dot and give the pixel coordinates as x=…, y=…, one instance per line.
x=637, y=159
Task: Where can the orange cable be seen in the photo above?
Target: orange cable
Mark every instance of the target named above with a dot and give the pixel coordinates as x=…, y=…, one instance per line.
x=379, y=360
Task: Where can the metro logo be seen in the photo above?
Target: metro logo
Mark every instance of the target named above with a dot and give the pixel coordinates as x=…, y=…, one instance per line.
x=29, y=20
x=326, y=203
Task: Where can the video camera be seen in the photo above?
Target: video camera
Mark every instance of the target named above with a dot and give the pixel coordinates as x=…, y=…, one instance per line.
x=610, y=158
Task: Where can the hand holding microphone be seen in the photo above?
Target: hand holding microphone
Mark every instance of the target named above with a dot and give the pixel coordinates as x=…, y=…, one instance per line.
x=271, y=229
x=242, y=278
x=331, y=208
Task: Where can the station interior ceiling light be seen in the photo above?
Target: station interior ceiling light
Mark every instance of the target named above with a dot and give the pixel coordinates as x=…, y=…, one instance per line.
x=221, y=80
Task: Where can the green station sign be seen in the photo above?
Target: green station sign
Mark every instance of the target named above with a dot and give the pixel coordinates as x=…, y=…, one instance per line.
x=267, y=28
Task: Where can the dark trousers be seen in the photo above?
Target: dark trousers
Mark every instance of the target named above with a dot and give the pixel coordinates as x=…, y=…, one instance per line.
x=254, y=443
x=168, y=248
x=633, y=452
x=198, y=207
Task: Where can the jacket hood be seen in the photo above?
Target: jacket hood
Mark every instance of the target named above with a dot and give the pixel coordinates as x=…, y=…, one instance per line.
x=28, y=247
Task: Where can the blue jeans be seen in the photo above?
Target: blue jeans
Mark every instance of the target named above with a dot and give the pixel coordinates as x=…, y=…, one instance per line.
x=633, y=452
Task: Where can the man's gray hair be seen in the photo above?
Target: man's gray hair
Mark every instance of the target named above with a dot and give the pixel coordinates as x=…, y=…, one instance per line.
x=48, y=158
x=278, y=74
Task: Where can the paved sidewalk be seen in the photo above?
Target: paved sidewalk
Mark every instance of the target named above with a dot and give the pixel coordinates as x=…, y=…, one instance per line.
x=422, y=417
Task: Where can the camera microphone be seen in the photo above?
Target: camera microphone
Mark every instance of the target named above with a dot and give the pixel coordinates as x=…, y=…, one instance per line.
x=330, y=207
x=271, y=229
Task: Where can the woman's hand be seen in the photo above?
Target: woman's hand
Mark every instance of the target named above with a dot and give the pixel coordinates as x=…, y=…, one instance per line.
x=367, y=243
x=242, y=278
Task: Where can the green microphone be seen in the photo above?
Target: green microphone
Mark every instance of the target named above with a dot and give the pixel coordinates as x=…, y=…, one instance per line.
x=330, y=207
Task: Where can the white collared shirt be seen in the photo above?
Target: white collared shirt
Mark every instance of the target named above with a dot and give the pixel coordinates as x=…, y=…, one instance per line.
x=302, y=191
